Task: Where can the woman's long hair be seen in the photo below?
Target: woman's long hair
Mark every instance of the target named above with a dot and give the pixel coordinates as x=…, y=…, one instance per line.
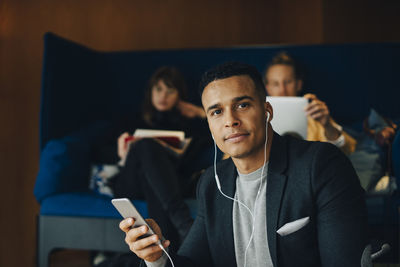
x=172, y=78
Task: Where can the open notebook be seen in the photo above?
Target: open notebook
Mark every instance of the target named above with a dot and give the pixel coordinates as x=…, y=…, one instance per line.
x=173, y=138
x=289, y=115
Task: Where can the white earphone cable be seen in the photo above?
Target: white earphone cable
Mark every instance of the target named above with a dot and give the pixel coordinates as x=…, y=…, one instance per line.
x=166, y=253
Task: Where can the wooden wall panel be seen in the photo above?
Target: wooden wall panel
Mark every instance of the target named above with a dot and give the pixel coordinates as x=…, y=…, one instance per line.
x=300, y=22
x=361, y=21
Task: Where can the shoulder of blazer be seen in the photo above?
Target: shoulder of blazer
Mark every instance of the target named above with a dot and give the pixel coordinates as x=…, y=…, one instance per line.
x=286, y=148
x=225, y=168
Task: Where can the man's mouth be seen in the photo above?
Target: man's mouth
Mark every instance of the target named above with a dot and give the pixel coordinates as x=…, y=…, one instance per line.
x=236, y=137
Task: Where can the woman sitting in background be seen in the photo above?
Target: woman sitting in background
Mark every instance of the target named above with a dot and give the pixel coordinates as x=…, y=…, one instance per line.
x=153, y=169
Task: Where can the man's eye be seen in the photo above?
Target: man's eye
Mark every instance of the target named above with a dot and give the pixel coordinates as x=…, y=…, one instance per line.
x=216, y=112
x=243, y=105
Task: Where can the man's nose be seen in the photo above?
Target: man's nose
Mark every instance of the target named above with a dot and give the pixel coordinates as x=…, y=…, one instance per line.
x=231, y=120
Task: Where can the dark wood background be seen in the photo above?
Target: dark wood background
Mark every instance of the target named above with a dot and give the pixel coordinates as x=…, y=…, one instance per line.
x=133, y=24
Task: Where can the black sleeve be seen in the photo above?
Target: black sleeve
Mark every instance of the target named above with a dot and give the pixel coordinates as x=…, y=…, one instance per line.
x=341, y=209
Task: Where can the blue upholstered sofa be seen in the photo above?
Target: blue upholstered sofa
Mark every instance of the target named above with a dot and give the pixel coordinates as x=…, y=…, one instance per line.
x=84, y=90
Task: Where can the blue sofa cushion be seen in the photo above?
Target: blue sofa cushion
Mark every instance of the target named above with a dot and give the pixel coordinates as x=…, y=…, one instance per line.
x=65, y=162
x=64, y=167
x=86, y=204
x=91, y=204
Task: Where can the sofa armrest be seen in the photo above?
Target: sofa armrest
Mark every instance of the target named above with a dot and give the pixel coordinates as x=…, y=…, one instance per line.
x=64, y=167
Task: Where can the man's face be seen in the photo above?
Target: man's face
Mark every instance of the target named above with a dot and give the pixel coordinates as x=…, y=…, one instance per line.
x=281, y=81
x=236, y=115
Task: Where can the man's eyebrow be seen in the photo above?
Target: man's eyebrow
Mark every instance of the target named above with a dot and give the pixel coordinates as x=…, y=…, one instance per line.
x=212, y=107
x=240, y=98
x=234, y=100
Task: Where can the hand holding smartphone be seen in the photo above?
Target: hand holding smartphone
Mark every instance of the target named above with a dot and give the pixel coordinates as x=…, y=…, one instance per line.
x=128, y=210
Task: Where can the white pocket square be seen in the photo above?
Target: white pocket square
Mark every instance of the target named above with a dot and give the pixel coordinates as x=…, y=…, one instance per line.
x=294, y=226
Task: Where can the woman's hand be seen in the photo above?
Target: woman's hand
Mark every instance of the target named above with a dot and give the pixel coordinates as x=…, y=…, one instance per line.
x=319, y=111
x=189, y=110
x=124, y=144
x=145, y=248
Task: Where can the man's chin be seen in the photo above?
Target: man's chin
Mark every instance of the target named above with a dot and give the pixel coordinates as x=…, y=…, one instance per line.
x=238, y=154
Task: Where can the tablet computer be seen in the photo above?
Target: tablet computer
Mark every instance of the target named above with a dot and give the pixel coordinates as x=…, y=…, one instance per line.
x=289, y=115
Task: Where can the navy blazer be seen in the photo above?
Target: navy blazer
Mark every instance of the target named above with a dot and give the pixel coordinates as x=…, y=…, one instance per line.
x=305, y=179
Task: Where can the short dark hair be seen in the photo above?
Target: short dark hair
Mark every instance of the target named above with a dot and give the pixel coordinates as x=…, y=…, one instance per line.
x=283, y=58
x=230, y=69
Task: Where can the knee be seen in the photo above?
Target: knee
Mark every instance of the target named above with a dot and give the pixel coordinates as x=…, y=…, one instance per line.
x=148, y=144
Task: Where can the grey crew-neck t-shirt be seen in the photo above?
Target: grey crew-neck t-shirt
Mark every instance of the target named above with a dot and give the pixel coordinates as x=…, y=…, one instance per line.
x=247, y=186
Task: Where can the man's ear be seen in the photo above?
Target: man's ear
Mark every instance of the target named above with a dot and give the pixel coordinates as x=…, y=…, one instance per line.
x=268, y=109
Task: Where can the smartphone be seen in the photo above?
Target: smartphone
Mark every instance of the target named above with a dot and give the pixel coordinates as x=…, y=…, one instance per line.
x=127, y=210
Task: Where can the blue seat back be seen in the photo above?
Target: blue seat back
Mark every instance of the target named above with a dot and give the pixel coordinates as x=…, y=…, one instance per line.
x=80, y=85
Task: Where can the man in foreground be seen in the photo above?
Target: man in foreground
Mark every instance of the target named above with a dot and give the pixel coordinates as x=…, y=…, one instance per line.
x=297, y=203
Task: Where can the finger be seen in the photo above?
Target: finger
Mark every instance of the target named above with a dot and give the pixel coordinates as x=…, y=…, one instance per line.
x=140, y=244
x=318, y=115
x=149, y=253
x=125, y=225
x=310, y=96
x=152, y=252
x=166, y=243
x=309, y=106
x=316, y=108
x=121, y=140
x=123, y=136
x=316, y=105
x=134, y=234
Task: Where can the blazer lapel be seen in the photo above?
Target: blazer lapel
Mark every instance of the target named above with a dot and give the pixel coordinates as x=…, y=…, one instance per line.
x=224, y=216
x=276, y=182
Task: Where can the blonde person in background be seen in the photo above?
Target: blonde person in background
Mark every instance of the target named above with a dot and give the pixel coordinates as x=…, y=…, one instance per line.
x=282, y=78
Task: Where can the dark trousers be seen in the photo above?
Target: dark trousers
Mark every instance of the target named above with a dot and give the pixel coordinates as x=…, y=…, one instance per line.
x=153, y=173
